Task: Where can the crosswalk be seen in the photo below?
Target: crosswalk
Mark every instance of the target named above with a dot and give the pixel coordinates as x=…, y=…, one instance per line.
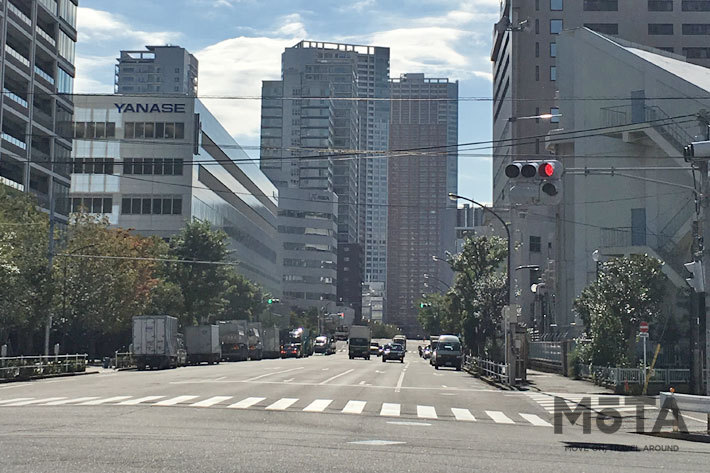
x=592, y=402
x=350, y=407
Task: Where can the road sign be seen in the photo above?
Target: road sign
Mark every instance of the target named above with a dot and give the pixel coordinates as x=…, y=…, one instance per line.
x=643, y=327
x=643, y=334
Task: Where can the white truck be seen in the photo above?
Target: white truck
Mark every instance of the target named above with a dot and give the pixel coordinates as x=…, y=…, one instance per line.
x=271, y=344
x=155, y=341
x=202, y=343
x=359, y=342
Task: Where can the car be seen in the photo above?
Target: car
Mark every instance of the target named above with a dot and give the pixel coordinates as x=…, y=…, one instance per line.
x=393, y=352
x=322, y=345
x=447, y=352
x=426, y=352
x=375, y=348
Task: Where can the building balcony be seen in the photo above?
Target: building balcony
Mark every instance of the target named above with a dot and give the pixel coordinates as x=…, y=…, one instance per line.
x=14, y=144
x=44, y=77
x=19, y=17
x=15, y=102
x=43, y=118
x=46, y=39
x=16, y=58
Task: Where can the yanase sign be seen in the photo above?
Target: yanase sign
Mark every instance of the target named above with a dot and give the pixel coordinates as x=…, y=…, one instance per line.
x=150, y=107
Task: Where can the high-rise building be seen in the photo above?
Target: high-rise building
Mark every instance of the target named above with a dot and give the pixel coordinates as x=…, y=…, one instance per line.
x=37, y=63
x=525, y=71
x=424, y=119
x=156, y=70
x=154, y=163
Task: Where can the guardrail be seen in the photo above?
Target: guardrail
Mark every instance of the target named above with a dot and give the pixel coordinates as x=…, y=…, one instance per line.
x=26, y=367
x=123, y=360
x=482, y=367
x=616, y=376
x=685, y=402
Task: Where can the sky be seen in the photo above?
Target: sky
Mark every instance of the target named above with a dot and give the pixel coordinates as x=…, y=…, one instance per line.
x=238, y=43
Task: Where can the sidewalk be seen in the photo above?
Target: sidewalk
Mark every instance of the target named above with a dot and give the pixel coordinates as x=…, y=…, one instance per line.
x=556, y=383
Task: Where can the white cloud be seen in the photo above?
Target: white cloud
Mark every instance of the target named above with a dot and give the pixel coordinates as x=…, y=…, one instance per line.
x=359, y=6
x=90, y=72
x=291, y=26
x=98, y=25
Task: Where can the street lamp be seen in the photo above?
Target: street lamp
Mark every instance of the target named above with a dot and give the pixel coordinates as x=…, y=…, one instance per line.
x=455, y=197
x=427, y=276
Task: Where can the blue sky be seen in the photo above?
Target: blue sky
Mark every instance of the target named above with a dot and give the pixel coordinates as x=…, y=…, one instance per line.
x=239, y=44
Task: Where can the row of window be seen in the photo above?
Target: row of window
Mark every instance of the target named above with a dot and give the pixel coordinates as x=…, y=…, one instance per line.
x=96, y=205
x=89, y=130
x=613, y=5
x=93, y=166
x=170, y=205
x=688, y=29
x=159, y=130
x=153, y=166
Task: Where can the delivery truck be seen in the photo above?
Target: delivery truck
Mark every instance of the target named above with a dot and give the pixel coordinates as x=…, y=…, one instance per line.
x=202, y=343
x=155, y=341
x=271, y=344
x=359, y=342
x=233, y=340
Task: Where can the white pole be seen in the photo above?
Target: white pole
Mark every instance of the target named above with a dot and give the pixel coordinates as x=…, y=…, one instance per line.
x=644, y=360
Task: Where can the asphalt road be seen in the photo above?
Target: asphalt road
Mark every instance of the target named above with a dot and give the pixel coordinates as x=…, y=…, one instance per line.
x=322, y=413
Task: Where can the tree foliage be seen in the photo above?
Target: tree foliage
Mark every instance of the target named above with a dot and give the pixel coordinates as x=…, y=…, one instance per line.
x=380, y=330
x=627, y=291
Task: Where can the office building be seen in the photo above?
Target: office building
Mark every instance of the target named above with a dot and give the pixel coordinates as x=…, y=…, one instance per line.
x=525, y=69
x=37, y=63
x=156, y=70
x=424, y=115
x=154, y=163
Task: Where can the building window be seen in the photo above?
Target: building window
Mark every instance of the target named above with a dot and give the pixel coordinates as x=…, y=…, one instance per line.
x=556, y=5
x=537, y=5
x=66, y=46
x=660, y=28
x=537, y=73
x=555, y=26
x=537, y=49
x=666, y=49
x=91, y=130
x=554, y=111
x=95, y=205
x=537, y=26
x=696, y=28
x=153, y=166
x=158, y=130
x=535, y=244
x=553, y=73
x=601, y=5
x=151, y=205
x=553, y=49
x=660, y=5
x=92, y=166
x=604, y=28
x=65, y=82
x=67, y=10
x=695, y=5
x=696, y=53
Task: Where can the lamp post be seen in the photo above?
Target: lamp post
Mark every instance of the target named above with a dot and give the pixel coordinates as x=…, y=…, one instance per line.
x=455, y=197
x=428, y=276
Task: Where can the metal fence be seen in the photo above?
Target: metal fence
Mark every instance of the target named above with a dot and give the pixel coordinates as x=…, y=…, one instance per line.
x=123, y=360
x=482, y=367
x=26, y=367
x=546, y=351
x=616, y=376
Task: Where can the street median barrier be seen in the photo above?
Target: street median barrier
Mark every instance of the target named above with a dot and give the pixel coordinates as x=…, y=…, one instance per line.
x=678, y=403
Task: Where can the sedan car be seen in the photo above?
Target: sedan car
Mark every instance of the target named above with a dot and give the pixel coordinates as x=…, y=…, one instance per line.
x=375, y=349
x=393, y=352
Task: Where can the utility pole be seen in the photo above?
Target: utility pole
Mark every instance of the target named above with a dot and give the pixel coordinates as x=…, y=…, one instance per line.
x=50, y=258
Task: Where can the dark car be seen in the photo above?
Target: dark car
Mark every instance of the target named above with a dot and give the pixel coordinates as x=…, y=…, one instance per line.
x=393, y=352
x=291, y=350
x=447, y=352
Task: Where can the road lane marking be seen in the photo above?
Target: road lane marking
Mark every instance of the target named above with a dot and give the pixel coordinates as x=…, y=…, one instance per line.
x=220, y=378
x=288, y=380
x=337, y=376
x=318, y=405
x=133, y=402
x=426, y=412
x=377, y=442
x=389, y=409
x=271, y=374
x=17, y=399
x=175, y=400
x=325, y=369
x=401, y=378
x=211, y=401
x=282, y=404
x=104, y=400
x=69, y=401
x=535, y=420
x=362, y=382
x=33, y=401
x=245, y=403
x=499, y=418
x=421, y=424
x=463, y=414
x=354, y=407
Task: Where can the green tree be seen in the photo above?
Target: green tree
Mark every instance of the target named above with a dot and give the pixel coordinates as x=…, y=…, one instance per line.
x=25, y=278
x=380, y=330
x=436, y=316
x=627, y=291
x=242, y=299
x=202, y=285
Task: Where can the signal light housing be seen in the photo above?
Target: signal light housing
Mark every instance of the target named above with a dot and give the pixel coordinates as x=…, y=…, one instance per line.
x=535, y=182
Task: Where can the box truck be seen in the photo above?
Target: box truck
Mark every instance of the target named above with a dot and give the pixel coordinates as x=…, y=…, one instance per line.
x=359, y=342
x=254, y=341
x=233, y=340
x=155, y=341
x=271, y=343
x=203, y=344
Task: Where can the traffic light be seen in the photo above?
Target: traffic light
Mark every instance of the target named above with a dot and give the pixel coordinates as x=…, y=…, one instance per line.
x=273, y=301
x=535, y=182
x=697, y=282
x=697, y=150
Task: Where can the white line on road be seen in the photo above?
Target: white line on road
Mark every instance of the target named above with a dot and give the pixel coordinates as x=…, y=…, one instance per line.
x=133, y=402
x=104, y=400
x=401, y=422
x=318, y=405
x=463, y=414
x=426, y=412
x=401, y=379
x=337, y=376
x=282, y=404
x=271, y=374
x=354, y=407
x=211, y=401
x=220, y=378
x=68, y=401
x=248, y=402
x=16, y=399
x=325, y=369
x=535, y=420
x=33, y=401
x=499, y=418
x=288, y=380
x=389, y=409
x=175, y=400
x=362, y=382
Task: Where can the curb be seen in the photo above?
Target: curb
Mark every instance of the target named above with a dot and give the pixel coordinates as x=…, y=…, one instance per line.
x=49, y=376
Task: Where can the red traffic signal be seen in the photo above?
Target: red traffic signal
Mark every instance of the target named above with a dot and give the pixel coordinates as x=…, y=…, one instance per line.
x=550, y=169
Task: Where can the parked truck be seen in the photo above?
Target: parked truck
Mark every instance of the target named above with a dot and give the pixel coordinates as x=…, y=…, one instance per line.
x=233, y=340
x=202, y=343
x=155, y=341
x=359, y=342
x=256, y=348
x=270, y=342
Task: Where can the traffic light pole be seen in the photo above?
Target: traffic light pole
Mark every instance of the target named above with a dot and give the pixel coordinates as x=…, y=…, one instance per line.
x=704, y=229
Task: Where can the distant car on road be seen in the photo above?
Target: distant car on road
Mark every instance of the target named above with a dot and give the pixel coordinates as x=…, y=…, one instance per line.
x=447, y=353
x=375, y=349
x=393, y=352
